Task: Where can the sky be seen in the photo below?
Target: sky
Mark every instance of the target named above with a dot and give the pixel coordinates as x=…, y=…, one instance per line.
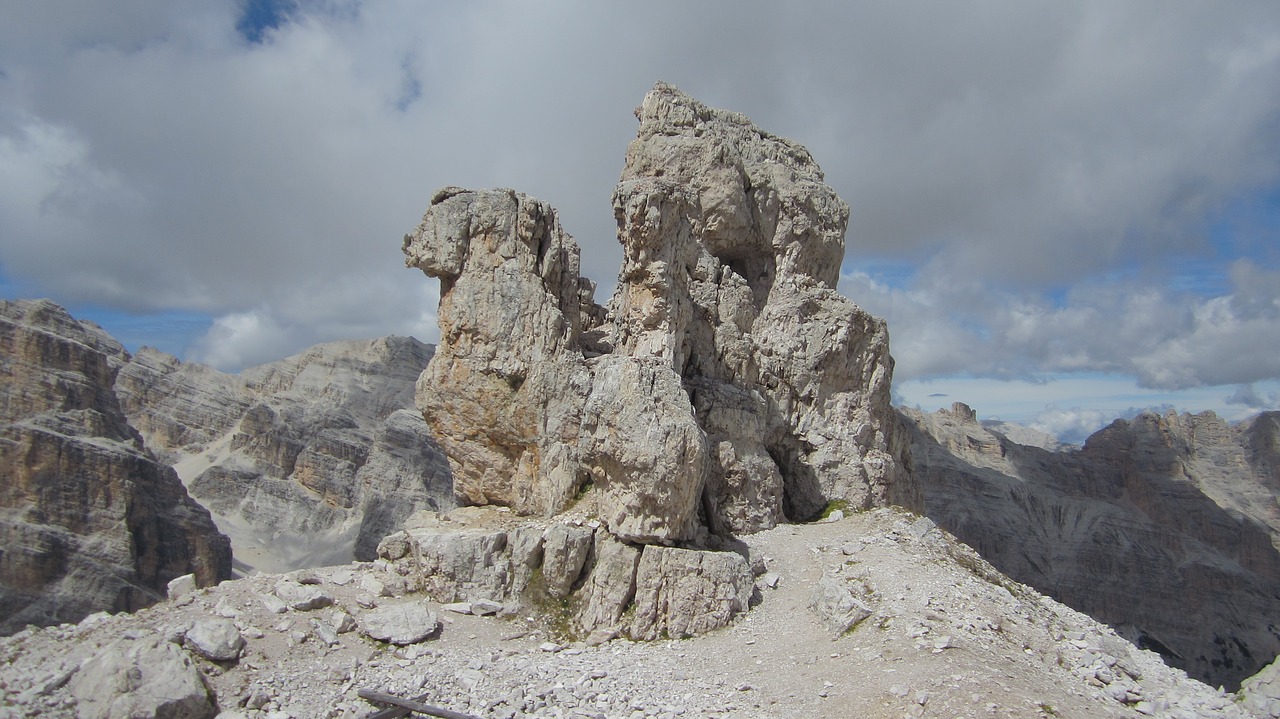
x=1067, y=212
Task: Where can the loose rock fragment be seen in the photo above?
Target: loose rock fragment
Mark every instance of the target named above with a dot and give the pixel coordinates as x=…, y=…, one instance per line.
x=215, y=639
x=400, y=624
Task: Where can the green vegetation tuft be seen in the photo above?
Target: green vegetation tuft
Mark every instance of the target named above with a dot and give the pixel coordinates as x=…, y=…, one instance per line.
x=557, y=613
x=832, y=506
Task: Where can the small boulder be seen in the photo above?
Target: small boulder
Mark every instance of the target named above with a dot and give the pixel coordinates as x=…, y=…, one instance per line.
x=400, y=624
x=485, y=607
x=457, y=607
x=343, y=622
x=302, y=597
x=835, y=603
x=182, y=586
x=215, y=639
x=144, y=678
x=324, y=632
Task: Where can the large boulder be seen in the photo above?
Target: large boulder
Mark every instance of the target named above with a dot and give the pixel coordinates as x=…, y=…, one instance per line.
x=147, y=677
x=580, y=574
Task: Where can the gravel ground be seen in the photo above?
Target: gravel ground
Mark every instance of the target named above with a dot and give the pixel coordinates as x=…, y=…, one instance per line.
x=946, y=636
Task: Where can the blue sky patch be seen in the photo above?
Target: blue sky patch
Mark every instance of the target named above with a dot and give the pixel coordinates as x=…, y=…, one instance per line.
x=172, y=332
x=262, y=16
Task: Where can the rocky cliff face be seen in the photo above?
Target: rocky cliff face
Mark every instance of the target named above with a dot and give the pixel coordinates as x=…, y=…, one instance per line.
x=90, y=519
x=1164, y=526
x=310, y=460
x=725, y=388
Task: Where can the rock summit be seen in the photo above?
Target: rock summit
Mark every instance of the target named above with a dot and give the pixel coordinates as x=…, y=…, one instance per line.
x=725, y=387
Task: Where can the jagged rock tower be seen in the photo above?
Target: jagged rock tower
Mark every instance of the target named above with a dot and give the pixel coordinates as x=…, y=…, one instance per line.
x=726, y=387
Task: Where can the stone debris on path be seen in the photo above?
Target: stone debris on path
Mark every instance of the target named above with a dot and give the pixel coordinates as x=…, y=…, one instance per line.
x=945, y=636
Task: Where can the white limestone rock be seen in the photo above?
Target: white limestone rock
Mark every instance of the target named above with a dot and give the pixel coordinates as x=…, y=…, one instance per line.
x=727, y=387
x=564, y=551
x=685, y=592
x=503, y=392
x=148, y=677
x=727, y=376
x=840, y=603
x=215, y=639
x=646, y=454
x=400, y=624
x=302, y=597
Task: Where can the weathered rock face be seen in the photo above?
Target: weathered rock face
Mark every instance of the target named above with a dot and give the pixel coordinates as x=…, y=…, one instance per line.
x=309, y=460
x=1164, y=526
x=732, y=249
x=90, y=520
x=727, y=387
x=578, y=569
x=503, y=393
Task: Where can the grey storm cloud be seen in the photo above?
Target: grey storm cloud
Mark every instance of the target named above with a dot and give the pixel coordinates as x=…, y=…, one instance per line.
x=152, y=157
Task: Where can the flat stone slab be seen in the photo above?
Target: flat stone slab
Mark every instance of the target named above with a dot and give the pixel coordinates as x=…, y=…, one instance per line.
x=400, y=624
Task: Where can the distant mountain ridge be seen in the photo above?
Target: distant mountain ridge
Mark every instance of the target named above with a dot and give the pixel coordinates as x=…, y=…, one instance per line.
x=1165, y=526
x=306, y=461
x=90, y=520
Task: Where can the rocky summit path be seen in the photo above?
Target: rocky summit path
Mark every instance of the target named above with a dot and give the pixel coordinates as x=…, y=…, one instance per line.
x=936, y=633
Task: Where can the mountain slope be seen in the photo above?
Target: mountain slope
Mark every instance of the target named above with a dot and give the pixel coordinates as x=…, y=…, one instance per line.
x=945, y=635
x=1163, y=526
x=90, y=520
x=306, y=461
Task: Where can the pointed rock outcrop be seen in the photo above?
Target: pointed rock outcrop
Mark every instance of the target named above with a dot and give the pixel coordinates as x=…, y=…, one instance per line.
x=724, y=388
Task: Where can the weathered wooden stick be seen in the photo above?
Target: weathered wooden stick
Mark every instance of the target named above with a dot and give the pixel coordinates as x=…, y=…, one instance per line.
x=402, y=707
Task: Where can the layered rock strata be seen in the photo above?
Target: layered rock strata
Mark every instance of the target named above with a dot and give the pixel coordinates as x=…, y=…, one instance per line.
x=1164, y=526
x=90, y=519
x=306, y=461
x=725, y=388
x=574, y=570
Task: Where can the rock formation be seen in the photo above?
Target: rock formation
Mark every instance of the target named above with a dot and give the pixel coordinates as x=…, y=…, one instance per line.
x=572, y=568
x=90, y=520
x=726, y=387
x=1164, y=526
x=306, y=461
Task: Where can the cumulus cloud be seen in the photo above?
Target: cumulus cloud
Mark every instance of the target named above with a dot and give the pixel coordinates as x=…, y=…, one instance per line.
x=1247, y=395
x=1021, y=158
x=1167, y=339
x=1072, y=425
x=350, y=308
